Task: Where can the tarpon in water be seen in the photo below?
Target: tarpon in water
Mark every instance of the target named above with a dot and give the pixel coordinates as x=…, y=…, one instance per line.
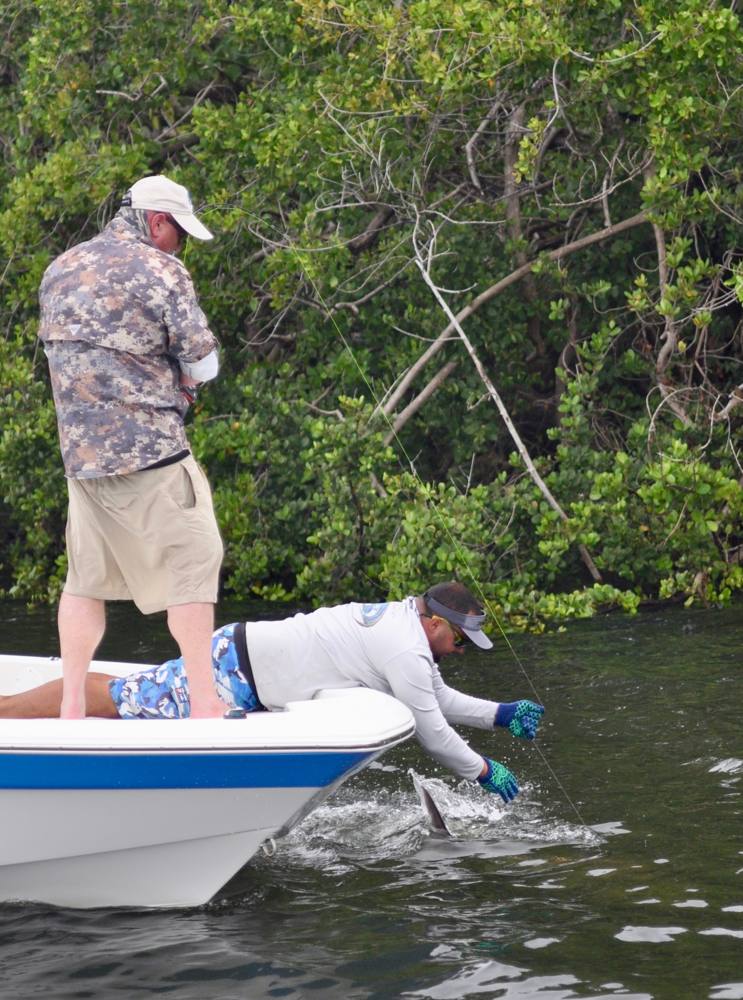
x=435, y=820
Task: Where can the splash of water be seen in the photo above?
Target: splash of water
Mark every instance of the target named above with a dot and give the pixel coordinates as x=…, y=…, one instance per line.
x=359, y=826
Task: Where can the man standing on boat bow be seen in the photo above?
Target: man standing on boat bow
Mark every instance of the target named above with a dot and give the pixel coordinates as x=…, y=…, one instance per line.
x=393, y=647
x=127, y=343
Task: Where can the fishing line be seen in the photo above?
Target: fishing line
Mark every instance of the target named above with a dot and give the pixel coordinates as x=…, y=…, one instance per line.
x=427, y=499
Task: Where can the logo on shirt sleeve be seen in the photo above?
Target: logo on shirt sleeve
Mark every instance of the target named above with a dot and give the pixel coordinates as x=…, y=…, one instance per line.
x=371, y=613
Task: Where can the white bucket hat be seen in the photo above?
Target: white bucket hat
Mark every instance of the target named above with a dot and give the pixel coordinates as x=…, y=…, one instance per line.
x=159, y=194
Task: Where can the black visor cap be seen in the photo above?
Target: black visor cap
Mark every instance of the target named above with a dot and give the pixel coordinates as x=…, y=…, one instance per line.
x=471, y=625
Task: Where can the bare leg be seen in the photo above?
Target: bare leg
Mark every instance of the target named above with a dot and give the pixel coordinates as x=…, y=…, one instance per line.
x=44, y=702
x=82, y=622
x=191, y=626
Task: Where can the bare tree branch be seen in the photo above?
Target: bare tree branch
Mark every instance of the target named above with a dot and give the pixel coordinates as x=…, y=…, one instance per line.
x=415, y=405
x=201, y=96
x=469, y=149
x=369, y=236
x=669, y=337
x=492, y=391
x=496, y=289
x=735, y=399
x=514, y=135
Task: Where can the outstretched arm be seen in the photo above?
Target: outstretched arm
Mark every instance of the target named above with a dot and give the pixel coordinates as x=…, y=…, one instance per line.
x=463, y=709
x=410, y=681
x=521, y=718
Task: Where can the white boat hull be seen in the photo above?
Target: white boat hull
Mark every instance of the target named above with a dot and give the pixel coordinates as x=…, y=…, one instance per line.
x=162, y=813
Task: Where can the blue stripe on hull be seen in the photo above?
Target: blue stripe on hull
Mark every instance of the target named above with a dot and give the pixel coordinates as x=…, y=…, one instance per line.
x=186, y=770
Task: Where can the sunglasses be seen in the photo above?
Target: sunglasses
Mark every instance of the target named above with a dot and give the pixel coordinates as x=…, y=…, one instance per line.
x=182, y=234
x=459, y=637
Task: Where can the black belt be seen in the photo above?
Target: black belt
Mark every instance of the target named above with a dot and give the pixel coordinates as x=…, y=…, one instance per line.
x=243, y=661
x=170, y=460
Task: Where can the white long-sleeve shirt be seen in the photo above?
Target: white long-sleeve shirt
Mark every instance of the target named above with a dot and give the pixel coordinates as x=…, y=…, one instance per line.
x=379, y=646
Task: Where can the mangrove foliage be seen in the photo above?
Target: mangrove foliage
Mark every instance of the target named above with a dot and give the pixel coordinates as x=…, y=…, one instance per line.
x=476, y=279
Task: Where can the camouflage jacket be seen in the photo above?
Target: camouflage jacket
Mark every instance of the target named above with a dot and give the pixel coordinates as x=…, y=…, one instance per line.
x=117, y=317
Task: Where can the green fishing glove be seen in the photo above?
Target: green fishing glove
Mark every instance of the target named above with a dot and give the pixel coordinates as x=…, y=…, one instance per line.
x=499, y=780
x=520, y=718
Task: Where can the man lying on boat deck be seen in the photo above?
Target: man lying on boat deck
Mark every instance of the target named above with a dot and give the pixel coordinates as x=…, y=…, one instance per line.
x=393, y=647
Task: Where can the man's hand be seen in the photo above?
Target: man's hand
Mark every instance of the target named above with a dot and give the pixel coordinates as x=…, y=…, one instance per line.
x=208, y=707
x=189, y=388
x=496, y=778
x=520, y=718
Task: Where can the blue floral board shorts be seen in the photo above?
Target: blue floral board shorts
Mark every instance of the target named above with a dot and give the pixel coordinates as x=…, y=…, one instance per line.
x=162, y=692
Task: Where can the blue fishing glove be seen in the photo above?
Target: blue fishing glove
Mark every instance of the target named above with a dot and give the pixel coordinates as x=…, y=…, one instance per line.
x=499, y=781
x=520, y=718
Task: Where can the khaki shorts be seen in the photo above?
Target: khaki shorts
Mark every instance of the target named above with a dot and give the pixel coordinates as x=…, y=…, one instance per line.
x=150, y=537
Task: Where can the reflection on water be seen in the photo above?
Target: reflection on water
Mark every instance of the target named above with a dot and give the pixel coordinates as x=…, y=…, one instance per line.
x=618, y=872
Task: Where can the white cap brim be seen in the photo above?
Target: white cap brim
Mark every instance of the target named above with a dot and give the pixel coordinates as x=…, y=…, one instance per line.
x=191, y=224
x=478, y=637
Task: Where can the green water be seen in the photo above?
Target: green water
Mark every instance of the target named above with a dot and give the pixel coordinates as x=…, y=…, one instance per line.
x=618, y=872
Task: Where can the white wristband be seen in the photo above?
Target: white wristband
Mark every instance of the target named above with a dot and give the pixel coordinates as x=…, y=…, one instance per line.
x=203, y=370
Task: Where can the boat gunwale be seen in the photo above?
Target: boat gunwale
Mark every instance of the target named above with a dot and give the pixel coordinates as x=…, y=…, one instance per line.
x=161, y=750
